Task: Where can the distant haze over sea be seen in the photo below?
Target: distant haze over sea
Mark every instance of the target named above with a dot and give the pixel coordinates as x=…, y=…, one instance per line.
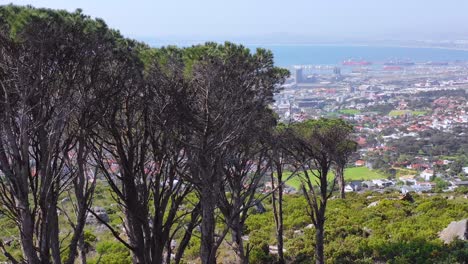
x=289, y=52
x=287, y=55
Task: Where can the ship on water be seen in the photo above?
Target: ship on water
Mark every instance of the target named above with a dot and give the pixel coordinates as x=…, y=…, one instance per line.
x=399, y=63
x=436, y=63
x=392, y=68
x=351, y=62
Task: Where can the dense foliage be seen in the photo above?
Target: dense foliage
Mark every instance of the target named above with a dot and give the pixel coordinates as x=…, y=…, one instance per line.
x=393, y=231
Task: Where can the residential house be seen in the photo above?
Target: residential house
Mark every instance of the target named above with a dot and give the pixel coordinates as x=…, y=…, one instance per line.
x=353, y=186
x=418, y=188
x=356, y=185
x=348, y=188
x=461, y=183
x=408, y=179
x=359, y=163
x=381, y=183
x=368, y=184
x=427, y=174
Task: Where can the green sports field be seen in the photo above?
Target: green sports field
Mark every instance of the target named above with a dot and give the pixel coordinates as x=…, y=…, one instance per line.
x=403, y=112
x=351, y=174
x=349, y=111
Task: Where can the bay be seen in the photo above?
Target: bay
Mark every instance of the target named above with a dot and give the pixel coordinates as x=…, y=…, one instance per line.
x=288, y=55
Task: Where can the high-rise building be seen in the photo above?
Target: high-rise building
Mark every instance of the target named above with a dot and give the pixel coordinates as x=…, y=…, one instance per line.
x=337, y=71
x=299, y=76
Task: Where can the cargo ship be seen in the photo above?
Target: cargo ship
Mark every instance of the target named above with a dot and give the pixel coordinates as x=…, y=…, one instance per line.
x=399, y=63
x=436, y=63
x=351, y=62
x=392, y=68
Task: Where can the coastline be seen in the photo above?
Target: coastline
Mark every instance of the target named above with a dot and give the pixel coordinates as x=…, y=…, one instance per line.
x=187, y=43
x=352, y=45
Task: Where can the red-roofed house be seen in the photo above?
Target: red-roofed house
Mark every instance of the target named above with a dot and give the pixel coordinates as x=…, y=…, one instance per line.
x=359, y=163
x=361, y=141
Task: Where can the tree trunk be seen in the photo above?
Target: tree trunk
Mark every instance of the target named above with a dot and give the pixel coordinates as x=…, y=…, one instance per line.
x=183, y=244
x=44, y=237
x=237, y=241
x=136, y=218
x=82, y=250
x=77, y=244
x=168, y=252
x=27, y=241
x=341, y=181
x=158, y=253
x=319, y=240
x=188, y=234
x=54, y=234
x=278, y=214
x=208, y=225
x=280, y=223
x=135, y=234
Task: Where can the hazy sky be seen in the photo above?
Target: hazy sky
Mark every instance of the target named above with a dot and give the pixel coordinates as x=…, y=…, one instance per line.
x=296, y=19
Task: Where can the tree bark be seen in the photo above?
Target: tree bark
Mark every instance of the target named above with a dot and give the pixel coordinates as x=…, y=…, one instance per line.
x=158, y=253
x=44, y=235
x=27, y=230
x=319, y=240
x=238, y=243
x=208, y=225
x=278, y=212
x=54, y=234
x=135, y=235
x=82, y=250
x=83, y=194
x=280, y=224
x=341, y=181
x=188, y=233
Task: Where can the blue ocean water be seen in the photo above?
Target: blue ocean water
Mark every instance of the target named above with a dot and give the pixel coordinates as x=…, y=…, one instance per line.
x=287, y=55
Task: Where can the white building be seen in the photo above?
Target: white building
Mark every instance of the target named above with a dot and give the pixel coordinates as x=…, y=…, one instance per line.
x=427, y=174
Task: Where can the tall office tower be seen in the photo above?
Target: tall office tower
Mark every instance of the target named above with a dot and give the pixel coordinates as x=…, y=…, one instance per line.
x=299, y=76
x=337, y=71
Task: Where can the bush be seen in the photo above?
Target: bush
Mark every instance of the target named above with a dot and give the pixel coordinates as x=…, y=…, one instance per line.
x=112, y=252
x=260, y=254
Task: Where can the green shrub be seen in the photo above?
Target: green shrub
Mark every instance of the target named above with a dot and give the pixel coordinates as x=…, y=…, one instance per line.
x=111, y=252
